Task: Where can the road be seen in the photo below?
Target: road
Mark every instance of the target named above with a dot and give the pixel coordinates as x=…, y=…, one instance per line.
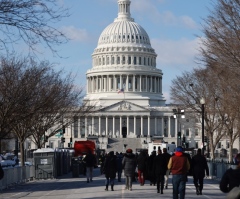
x=67, y=187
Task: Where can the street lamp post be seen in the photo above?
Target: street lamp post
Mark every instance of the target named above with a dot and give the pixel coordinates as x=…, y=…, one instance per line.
x=178, y=113
x=202, y=102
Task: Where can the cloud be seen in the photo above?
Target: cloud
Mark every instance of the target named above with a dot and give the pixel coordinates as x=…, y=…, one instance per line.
x=144, y=7
x=74, y=34
x=180, y=52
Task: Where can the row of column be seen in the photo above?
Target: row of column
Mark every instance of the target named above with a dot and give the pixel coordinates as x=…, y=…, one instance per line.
x=85, y=122
x=124, y=60
x=105, y=83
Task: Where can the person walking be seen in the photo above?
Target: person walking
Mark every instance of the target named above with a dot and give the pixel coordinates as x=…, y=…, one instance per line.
x=167, y=156
x=129, y=166
x=142, y=167
x=160, y=168
x=199, y=166
x=119, y=166
x=231, y=178
x=90, y=162
x=151, y=175
x=110, y=169
x=179, y=166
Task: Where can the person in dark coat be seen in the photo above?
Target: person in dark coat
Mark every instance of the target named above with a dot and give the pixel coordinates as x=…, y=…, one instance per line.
x=150, y=170
x=90, y=162
x=129, y=166
x=167, y=156
x=199, y=166
x=160, y=168
x=119, y=166
x=142, y=167
x=110, y=169
x=231, y=178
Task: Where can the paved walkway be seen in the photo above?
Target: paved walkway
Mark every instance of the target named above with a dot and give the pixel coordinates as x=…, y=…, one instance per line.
x=67, y=187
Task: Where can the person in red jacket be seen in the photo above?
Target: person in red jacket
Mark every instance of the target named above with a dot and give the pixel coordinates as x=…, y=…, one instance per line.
x=179, y=166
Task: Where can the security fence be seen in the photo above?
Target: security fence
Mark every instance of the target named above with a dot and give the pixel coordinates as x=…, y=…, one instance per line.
x=16, y=175
x=218, y=167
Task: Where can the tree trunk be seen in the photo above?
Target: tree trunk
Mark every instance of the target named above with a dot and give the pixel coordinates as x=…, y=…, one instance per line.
x=22, y=159
x=230, y=159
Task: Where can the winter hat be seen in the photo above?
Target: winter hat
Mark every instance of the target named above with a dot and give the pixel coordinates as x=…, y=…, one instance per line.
x=129, y=151
x=179, y=149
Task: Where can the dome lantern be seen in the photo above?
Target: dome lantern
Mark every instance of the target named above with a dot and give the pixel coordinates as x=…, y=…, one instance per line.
x=124, y=11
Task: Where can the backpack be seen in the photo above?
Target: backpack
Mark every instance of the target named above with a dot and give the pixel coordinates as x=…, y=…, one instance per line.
x=1, y=172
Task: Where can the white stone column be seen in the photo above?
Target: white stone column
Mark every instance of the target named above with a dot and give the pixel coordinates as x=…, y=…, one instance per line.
x=79, y=127
x=97, y=84
x=176, y=127
x=93, y=132
x=114, y=132
x=127, y=125
x=127, y=80
x=169, y=127
x=155, y=84
x=99, y=126
x=133, y=83
x=141, y=126
x=101, y=84
x=151, y=84
x=115, y=83
x=146, y=83
x=86, y=127
x=134, y=126
x=162, y=126
x=105, y=84
x=140, y=83
x=155, y=125
x=149, y=126
x=107, y=126
x=120, y=127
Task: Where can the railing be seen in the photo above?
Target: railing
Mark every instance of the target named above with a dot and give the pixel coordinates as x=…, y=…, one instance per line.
x=217, y=168
x=15, y=175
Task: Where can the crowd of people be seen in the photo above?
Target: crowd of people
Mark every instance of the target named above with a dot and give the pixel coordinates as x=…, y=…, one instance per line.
x=157, y=167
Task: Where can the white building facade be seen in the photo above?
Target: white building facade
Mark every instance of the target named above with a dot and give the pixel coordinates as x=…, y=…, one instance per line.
x=125, y=85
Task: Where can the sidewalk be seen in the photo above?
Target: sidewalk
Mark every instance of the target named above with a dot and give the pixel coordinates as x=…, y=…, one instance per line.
x=77, y=188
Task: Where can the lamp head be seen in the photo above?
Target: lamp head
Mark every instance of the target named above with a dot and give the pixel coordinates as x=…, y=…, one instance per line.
x=202, y=100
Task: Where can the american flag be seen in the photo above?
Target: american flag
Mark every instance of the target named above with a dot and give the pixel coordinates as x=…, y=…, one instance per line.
x=121, y=90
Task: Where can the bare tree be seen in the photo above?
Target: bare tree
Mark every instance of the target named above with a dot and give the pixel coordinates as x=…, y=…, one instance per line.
x=188, y=89
x=31, y=21
x=220, y=53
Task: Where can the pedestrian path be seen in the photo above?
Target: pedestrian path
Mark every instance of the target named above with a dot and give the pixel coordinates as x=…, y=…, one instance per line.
x=77, y=188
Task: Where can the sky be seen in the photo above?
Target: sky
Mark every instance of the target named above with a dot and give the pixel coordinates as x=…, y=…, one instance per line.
x=172, y=25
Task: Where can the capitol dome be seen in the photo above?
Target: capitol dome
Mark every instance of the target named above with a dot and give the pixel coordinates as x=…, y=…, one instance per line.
x=124, y=32
x=124, y=61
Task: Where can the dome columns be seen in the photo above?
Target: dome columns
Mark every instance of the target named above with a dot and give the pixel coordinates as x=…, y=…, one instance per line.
x=130, y=82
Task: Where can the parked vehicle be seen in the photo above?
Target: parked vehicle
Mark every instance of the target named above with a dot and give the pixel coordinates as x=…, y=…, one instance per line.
x=154, y=146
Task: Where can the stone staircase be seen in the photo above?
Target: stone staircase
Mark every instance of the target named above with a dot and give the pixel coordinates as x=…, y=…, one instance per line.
x=117, y=144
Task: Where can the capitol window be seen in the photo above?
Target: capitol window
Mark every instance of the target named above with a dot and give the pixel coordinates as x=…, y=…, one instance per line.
x=129, y=60
x=123, y=60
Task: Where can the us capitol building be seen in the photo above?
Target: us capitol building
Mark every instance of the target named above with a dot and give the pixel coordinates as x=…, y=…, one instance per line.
x=125, y=87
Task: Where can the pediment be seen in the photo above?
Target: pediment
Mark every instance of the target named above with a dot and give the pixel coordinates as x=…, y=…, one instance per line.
x=125, y=106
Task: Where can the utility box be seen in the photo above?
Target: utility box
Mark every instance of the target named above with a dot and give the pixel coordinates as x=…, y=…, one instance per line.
x=44, y=162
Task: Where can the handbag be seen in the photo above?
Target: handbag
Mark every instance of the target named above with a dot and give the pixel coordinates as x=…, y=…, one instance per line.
x=234, y=193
